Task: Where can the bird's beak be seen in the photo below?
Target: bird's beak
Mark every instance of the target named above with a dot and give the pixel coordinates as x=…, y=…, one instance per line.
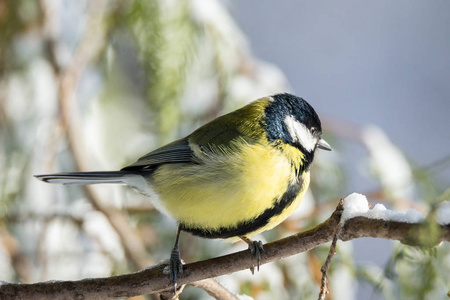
x=322, y=144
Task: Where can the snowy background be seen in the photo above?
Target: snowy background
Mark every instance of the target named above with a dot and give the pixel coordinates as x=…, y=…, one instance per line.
x=93, y=85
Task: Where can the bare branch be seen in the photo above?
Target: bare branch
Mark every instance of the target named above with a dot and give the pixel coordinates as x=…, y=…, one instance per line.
x=215, y=289
x=155, y=279
x=324, y=290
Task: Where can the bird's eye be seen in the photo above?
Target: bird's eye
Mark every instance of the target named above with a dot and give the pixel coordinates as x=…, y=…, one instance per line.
x=313, y=130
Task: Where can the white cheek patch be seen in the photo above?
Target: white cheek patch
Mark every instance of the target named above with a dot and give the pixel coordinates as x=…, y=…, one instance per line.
x=300, y=133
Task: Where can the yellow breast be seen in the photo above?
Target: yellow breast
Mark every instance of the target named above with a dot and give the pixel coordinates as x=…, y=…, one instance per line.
x=227, y=190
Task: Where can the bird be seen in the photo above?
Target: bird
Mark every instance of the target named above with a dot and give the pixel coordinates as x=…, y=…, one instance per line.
x=239, y=175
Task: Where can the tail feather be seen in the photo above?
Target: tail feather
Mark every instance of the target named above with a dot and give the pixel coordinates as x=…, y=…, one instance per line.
x=84, y=177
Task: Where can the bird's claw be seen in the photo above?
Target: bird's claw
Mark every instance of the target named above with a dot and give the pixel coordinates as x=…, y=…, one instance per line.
x=176, y=267
x=256, y=249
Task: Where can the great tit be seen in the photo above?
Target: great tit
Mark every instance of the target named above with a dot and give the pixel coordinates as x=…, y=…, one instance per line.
x=238, y=175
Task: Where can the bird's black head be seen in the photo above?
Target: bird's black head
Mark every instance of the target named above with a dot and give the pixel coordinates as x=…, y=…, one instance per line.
x=291, y=120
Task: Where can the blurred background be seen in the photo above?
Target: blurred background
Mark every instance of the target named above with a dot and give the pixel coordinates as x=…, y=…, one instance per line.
x=93, y=85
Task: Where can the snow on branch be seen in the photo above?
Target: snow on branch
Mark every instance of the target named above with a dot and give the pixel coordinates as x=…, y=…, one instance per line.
x=356, y=205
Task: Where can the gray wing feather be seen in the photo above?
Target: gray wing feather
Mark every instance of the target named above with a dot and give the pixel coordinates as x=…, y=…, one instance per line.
x=176, y=152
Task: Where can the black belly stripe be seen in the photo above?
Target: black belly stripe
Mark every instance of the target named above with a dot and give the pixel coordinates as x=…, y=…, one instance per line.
x=249, y=226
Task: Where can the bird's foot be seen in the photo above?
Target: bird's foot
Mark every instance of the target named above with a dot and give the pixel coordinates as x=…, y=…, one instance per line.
x=176, y=267
x=256, y=249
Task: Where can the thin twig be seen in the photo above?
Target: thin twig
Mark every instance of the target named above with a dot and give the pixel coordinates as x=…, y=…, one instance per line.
x=324, y=290
x=324, y=282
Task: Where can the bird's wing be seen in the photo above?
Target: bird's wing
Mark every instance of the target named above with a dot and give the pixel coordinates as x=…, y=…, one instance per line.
x=218, y=134
x=176, y=152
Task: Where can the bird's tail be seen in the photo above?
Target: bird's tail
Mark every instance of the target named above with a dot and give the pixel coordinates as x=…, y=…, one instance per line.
x=85, y=177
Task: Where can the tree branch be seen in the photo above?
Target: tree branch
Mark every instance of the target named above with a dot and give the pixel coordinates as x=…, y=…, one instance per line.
x=156, y=280
x=215, y=289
